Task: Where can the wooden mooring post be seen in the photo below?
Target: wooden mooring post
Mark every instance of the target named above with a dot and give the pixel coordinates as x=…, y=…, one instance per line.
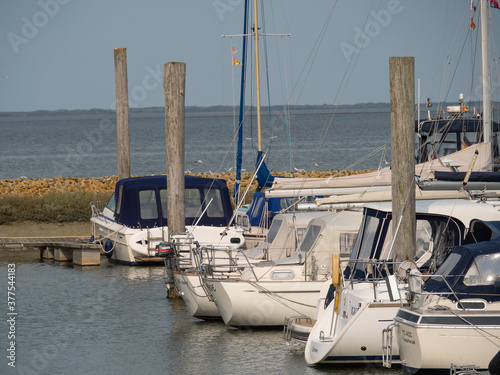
x=174, y=84
x=402, y=88
x=122, y=128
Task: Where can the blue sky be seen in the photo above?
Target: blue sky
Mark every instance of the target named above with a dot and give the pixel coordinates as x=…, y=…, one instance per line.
x=58, y=54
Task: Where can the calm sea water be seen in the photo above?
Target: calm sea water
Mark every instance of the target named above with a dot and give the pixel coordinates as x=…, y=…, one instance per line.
x=41, y=147
x=115, y=319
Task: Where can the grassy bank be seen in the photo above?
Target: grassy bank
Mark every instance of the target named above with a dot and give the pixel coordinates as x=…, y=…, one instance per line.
x=67, y=199
x=55, y=207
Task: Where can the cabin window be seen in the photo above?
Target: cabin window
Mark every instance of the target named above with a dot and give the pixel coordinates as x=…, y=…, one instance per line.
x=147, y=202
x=192, y=202
x=286, y=203
x=163, y=201
x=485, y=270
x=347, y=243
x=257, y=208
x=282, y=275
x=434, y=240
x=274, y=230
x=215, y=209
x=119, y=200
x=310, y=238
x=111, y=203
x=368, y=239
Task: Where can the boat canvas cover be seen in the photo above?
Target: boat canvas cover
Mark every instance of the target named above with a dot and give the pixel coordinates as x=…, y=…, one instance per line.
x=472, y=271
x=132, y=210
x=327, y=235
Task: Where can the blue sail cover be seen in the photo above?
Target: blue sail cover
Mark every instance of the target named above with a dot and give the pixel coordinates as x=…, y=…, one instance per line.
x=474, y=176
x=264, y=177
x=141, y=202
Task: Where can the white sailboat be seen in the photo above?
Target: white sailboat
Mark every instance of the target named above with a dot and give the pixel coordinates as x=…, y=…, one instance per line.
x=456, y=310
x=195, y=262
x=349, y=329
x=268, y=292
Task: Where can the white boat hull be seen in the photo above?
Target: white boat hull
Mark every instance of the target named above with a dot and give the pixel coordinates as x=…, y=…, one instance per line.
x=353, y=332
x=433, y=347
x=134, y=245
x=244, y=303
x=194, y=296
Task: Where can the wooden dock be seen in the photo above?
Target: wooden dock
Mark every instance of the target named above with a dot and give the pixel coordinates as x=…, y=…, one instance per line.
x=61, y=249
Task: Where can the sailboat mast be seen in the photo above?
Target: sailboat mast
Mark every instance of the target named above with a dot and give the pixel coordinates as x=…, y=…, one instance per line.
x=257, y=75
x=239, y=152
x=485, y=68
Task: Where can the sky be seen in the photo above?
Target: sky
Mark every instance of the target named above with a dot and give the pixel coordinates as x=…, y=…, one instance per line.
x=58, y=54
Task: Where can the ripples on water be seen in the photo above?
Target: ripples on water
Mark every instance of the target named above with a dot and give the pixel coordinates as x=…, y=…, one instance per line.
x=115, y=319
x=87, y=146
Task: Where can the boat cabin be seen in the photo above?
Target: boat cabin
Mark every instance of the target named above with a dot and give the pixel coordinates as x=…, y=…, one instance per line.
x=441, y=137
x=141, y=202
x=436, y=235
x=470, y=271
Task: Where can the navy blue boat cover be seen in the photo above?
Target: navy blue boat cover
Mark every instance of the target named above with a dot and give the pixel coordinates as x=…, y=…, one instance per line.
x=454, y=269
x=264, y=177
x=475, y=176
x=128, y=210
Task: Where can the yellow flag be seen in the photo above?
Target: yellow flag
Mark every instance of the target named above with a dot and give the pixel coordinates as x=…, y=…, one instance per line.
x=236, y=62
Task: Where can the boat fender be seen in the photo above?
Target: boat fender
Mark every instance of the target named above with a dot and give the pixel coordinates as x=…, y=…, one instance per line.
x=494, y=366
x=330, y=295
x=108, y=248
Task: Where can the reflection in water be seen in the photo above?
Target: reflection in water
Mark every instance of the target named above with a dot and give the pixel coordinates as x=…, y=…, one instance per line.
x=115, y=319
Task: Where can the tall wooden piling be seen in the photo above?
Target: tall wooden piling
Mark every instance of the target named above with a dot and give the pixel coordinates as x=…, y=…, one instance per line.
x=174, y=84
x=122, y=129
x=402, y=87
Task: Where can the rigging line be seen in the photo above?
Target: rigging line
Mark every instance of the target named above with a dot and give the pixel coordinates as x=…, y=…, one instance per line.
x=285, y=109
x=264, y=40
x=456, y=48
x=345, y=79
x=473, y=62
x=456, y=68
x=493, y=42
x=276, y=296
x=314, y=53
x=442, y=68
x=481, y=331
x=315, y=47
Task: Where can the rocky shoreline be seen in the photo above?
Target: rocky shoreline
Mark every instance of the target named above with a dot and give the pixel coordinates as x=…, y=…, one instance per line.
x=39, y=187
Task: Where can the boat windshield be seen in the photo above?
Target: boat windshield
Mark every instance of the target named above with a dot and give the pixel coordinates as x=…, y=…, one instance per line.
x=435, y=238
x=485, y=270
x=111, y=203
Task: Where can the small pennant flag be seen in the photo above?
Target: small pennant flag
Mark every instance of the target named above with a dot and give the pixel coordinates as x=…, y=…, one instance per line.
x=429, y=103
x=233, y=50
x=472, y=24
x=236, y=62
